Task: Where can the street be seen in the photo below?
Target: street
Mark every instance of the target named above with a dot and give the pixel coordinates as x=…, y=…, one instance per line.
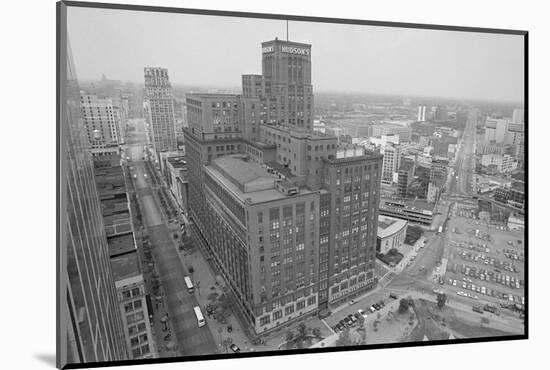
x=190, y=339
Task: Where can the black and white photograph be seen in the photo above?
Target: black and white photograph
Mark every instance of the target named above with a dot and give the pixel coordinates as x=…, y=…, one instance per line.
x=240, y=184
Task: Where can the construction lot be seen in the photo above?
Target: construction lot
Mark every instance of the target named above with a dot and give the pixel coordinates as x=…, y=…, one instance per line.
x=485, y=261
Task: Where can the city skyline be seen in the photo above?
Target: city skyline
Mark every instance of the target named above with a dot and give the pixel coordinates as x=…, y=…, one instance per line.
x=414, y=62
x=386, y=223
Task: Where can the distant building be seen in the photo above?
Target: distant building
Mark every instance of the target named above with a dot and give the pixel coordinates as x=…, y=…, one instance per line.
x=101, y=123
x=518, y=116
x=391, y=233
x=516, y=223
x=404, y=132
x=158, y=94
x=405, y=177
x=433, y=190
x=441, y=149
x=391, y=162
x=390, y=148
x=496, y=130
x=177, y=180
x=514, y=195
x=502, y=163
x=421, y=116
x=441, y=114
x=438, y=172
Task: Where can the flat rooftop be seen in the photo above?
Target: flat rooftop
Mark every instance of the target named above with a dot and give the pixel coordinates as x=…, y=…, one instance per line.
x=125, y=266
x=248, y=181
x=178, y=162
x=417, y=206
x=121, y=244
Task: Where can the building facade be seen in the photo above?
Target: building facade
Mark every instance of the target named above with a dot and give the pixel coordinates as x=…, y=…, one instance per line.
x=391, y=234
x=287, y=215
x=158, y=94
x=91, y=323
x=102, y=123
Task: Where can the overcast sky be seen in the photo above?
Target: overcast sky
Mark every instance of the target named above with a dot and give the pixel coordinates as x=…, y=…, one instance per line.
x=216, y=51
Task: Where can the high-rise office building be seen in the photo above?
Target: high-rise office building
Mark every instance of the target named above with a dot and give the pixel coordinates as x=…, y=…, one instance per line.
x=405, y=177
x=496, y=129
x=288, y=216
x=102, y=124
x=421, y=116
x=158, y=93
x=284, y=88
x=90, y=320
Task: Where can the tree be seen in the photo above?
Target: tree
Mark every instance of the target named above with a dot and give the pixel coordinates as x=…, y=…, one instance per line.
x=441, y=299
x=344, y=339
x=302, y=331
x=403, y=305
x=316, y=332
x=289, y=337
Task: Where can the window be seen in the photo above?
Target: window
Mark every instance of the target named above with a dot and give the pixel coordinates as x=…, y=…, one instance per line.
x=264, y=320
x=311, y=300
x=277, y=315
x=289, y=310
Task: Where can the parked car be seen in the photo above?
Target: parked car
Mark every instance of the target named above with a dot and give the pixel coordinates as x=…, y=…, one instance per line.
x=358, y=316
x=372, y=309
x=393, y=296
x=362, y=313
x=381, y=303
x=235, y=348
x=352, y=302
x=477, y=309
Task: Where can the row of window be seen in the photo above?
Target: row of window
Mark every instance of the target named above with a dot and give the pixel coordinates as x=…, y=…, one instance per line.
x=289, y=310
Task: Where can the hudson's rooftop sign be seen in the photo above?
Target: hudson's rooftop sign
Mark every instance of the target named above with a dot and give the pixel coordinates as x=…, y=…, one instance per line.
x=286, y=49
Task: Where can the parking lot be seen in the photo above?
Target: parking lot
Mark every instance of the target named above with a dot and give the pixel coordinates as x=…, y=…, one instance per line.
x=485, y=260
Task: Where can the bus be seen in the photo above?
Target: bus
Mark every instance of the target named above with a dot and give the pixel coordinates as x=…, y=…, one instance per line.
x=189, y=284
x=200, y=317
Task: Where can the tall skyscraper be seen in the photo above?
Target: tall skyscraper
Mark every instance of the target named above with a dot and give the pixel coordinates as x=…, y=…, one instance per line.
x=158, y=93
x=421, y=116
x=284, y=87
x=90, y=320
x=287, y=214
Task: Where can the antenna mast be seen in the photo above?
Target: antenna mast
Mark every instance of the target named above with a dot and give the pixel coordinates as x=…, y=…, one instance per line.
x=287, y=30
